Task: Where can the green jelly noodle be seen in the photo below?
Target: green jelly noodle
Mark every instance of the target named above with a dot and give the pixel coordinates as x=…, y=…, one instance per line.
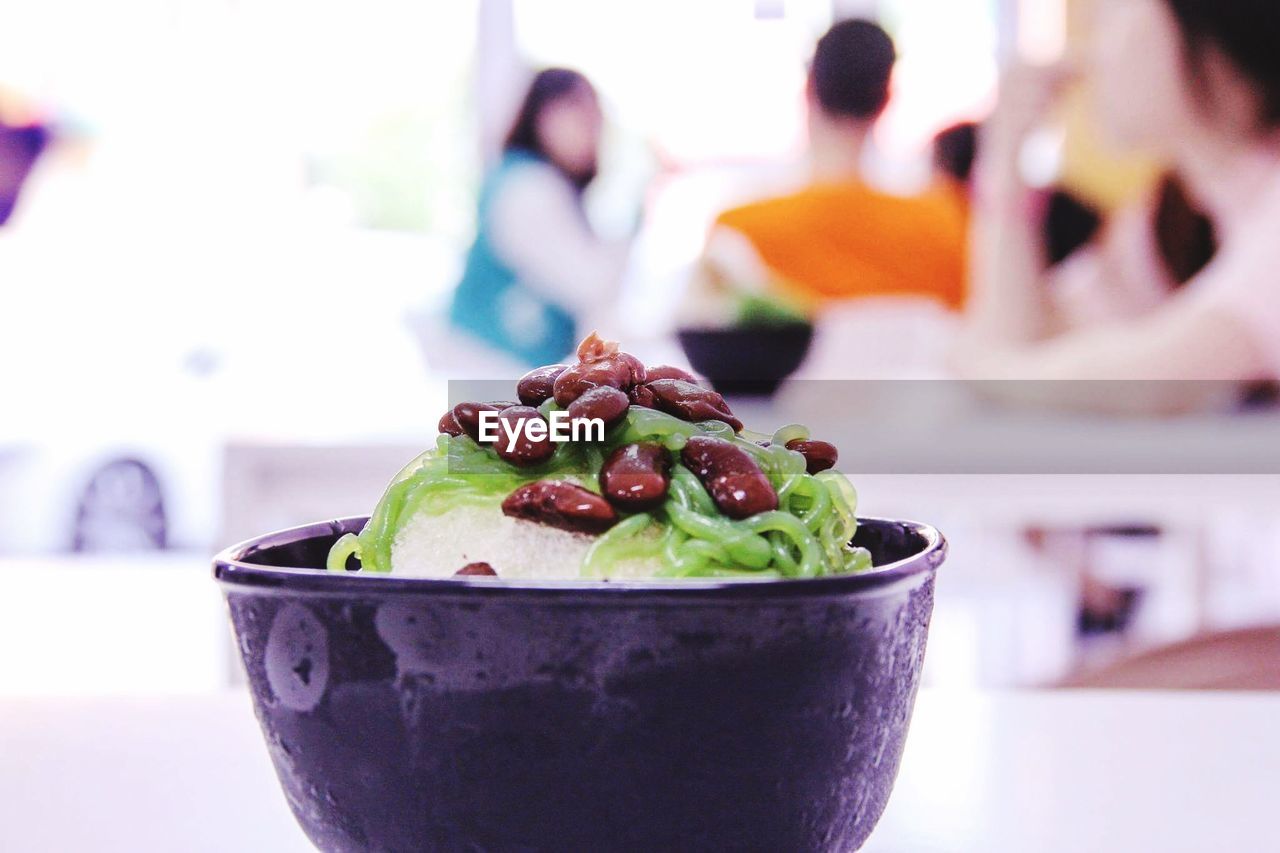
x=807, y=536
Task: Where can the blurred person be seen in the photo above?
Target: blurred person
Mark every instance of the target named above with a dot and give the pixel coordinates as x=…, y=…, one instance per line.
x=1068, y=221
x=1183, y=284
x=839, y=238
x=954, y=152
x=537, y=266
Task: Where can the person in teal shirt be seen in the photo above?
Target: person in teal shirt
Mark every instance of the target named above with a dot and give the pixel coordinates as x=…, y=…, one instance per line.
x=536, y=265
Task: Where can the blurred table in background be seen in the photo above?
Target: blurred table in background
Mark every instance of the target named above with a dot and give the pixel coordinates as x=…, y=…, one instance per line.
x=1005, y=615
x=992, y=771
x=944, y=451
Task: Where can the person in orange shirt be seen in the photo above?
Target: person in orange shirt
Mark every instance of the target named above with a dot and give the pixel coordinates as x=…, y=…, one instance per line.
x=839, y=238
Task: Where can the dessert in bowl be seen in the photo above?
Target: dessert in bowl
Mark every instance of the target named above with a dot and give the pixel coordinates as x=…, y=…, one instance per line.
x=654, y=638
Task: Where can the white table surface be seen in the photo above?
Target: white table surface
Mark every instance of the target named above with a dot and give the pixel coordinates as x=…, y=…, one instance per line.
x=1042, y=771
x=121, y=624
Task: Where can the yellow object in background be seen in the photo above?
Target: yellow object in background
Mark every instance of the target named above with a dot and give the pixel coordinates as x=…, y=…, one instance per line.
x=1095, y=171
x=1092, y=169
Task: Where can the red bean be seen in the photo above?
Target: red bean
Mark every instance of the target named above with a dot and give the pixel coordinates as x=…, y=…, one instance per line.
x=691, y=402
x=577, y=379
x=635, y=477
x=608, y=404
x=818, y=455
x=596, y=350
x=525, y=450
x=561, y=504
x=642, y=395
x=639, y=373
x=666, y=371
x=535, y=387
x=476, y=570
x=468, y=417
x=736, y=484
x=449, y=424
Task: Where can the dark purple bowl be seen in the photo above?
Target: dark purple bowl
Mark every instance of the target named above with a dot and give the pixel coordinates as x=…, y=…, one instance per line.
x=413, y=714
x=750, y=361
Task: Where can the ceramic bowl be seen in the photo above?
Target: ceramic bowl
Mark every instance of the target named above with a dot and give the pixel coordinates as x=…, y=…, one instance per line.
x=410, y=714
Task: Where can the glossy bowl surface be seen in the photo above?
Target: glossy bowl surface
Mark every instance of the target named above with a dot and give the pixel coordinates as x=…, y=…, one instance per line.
x=468, y=714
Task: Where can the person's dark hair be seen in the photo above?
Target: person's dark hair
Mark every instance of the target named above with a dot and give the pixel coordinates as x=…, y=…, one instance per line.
x=851, y=68
x=955, y=149
x=1247, y=33
x=1185, y=236
x=548, y=86
x=1070, y=223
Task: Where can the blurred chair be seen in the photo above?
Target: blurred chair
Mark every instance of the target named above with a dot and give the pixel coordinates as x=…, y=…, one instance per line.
x=121, y=509
x=1242, y=659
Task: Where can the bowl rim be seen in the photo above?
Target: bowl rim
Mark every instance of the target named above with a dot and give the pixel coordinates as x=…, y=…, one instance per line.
x=230, y=569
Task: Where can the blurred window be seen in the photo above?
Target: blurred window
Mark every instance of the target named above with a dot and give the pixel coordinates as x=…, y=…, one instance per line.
x=212, y=111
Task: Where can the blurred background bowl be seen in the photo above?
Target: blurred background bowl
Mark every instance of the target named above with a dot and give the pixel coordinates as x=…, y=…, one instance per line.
x=747, y=360
x=411, y=714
